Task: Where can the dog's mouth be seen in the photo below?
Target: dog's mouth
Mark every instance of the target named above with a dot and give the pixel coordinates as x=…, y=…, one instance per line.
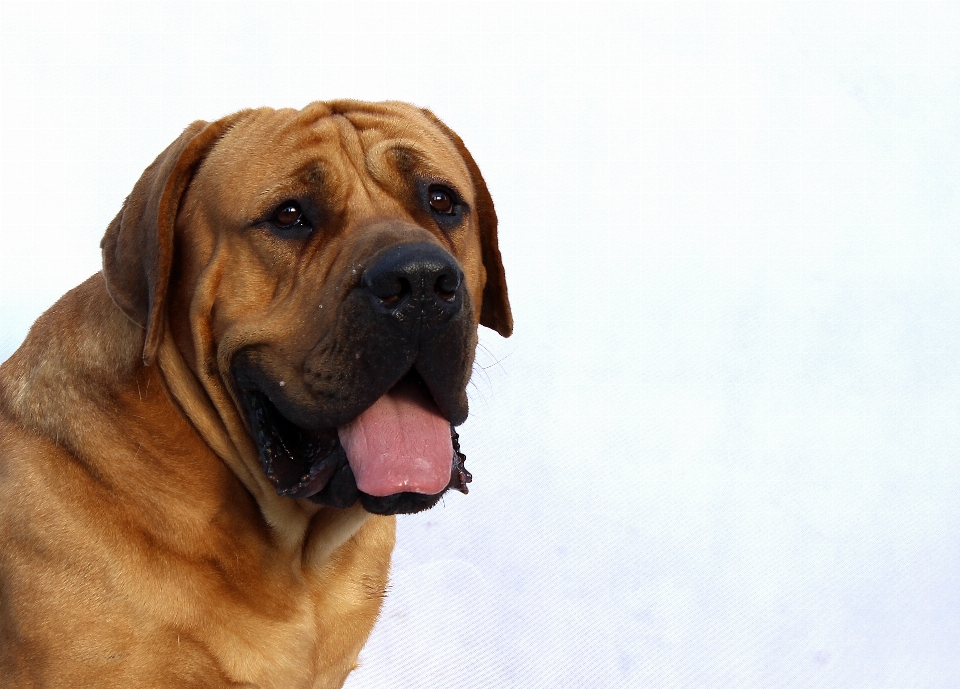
x=398, y=456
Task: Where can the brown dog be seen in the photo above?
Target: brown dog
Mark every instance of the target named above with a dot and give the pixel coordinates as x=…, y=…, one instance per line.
x=192, y=442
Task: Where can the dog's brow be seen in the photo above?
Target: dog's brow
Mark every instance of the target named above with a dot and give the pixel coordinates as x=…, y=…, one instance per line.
x=277, y=190
x=311, y=174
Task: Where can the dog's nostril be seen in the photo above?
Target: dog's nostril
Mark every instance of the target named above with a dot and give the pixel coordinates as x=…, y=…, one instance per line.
x=446, y=286
x=392, y=294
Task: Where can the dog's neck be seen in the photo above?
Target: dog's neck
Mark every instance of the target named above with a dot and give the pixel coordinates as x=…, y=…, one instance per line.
x=199, y=434
x=295, y=523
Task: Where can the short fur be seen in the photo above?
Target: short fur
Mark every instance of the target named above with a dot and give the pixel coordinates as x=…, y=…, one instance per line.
x=141, y=544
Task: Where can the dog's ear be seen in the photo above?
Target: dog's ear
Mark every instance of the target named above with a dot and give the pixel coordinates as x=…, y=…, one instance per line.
x=138, y=245
x=495, y=311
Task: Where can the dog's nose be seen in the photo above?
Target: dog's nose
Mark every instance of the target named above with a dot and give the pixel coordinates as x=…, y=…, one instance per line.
x=415, y=283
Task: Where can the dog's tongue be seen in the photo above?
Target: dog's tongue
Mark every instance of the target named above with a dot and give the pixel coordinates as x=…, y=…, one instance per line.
x=400, y=444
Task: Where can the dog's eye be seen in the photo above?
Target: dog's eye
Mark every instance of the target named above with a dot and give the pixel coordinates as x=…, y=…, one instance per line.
x=288, y=214
x=441, y=200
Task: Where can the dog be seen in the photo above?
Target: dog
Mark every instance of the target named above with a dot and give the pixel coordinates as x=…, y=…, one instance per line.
x=202, y=447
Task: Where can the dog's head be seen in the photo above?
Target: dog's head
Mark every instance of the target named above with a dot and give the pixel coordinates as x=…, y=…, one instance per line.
x=329, y=268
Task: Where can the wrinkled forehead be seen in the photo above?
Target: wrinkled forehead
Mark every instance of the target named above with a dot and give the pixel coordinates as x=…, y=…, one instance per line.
x=338, y=141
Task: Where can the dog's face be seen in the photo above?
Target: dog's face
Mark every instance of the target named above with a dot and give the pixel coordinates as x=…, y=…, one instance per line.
x=331, y=268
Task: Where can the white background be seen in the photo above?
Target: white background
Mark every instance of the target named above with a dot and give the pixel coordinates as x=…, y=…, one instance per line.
x=721, y=449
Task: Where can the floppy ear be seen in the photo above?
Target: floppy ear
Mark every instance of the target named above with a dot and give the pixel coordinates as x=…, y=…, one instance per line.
x=138, y=245
x=495, y=311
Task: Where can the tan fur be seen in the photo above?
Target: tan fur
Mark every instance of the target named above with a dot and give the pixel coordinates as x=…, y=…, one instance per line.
x=141, y=544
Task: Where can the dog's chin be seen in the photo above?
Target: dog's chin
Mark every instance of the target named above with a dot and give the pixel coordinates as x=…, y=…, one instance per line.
x=312, y=464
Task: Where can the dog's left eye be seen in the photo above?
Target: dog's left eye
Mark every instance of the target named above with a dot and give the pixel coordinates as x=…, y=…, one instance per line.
x=288, y=214
x=441, y=200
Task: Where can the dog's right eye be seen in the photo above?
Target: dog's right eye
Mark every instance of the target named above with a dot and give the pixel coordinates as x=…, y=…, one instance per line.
x=288, y=215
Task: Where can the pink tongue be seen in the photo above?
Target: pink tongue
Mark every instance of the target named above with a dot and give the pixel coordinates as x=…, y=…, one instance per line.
x=400, y=444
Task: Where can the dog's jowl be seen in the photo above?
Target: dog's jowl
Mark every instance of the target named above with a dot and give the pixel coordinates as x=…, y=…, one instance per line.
x=202, y=447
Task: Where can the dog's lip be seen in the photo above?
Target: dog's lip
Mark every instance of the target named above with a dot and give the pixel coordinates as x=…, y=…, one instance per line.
x=303, y=469
x=299, y=462
x=249, y=389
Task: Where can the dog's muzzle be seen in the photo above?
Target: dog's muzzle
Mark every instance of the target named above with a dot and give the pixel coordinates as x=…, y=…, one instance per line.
x=396, y=371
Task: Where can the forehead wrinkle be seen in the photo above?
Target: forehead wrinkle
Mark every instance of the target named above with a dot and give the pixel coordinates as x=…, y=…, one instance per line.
x=349, y=140
x=298, y=122
x=383, y=116
x=297, y=142
x=400, y=125
x=421, y=164
x=353, y=151
x=313, y=112
x=383, y=120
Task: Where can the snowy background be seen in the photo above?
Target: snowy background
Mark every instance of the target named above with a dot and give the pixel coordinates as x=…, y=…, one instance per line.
x=721, y=449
